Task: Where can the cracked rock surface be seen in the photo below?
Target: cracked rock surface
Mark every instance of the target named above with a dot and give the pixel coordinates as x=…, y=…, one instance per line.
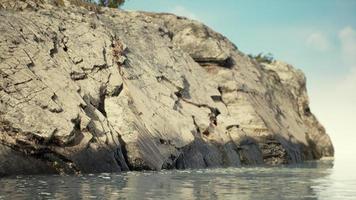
x=84, y=92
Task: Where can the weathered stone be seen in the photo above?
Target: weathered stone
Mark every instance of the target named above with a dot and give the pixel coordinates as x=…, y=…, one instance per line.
x=141, y=91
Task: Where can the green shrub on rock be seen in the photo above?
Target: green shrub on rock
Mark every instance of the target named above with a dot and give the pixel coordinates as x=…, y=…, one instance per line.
x=262, y=58
x=111, y=3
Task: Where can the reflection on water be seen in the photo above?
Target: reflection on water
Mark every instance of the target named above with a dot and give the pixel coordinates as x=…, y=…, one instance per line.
x=312, y=180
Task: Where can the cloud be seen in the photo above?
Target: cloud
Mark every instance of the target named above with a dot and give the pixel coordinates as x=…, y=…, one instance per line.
x=347, y=38
x=318, y=41
x=334, y=100
x=182, y=11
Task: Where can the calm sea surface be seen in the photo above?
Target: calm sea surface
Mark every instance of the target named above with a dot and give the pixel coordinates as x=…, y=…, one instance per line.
x=312, y=180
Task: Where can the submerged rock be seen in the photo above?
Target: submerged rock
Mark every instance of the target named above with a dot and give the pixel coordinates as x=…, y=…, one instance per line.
x=84, y=91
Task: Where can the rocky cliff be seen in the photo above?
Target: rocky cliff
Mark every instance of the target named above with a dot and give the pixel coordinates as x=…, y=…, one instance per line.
x=86, y=91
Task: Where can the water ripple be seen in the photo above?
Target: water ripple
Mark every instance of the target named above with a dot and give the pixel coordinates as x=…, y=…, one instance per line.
x=311, y=180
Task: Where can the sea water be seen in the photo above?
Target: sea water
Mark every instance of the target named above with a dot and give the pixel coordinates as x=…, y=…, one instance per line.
x=310, y=180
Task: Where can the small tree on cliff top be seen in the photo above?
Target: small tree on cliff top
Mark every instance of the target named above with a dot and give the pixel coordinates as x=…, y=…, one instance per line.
x=111, y=3
x=263, y=58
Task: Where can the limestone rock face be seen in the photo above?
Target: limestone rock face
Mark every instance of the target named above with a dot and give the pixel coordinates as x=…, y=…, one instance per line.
x=84, y=92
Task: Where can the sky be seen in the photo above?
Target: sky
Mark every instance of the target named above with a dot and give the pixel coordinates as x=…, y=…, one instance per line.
x=317, y=36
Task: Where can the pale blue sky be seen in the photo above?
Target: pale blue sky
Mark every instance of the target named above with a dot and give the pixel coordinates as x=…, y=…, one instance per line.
x=317, y=36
